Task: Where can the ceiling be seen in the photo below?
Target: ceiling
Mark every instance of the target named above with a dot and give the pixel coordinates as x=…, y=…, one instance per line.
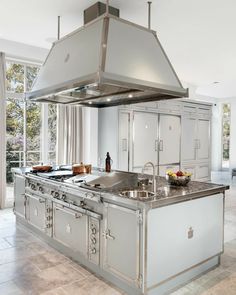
x=198, y=36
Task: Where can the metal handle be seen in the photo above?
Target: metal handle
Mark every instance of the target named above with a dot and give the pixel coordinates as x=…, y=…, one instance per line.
x=161, y=145
x=124, y=145
x=68, y=211
x=199, y=144
x=42, y=201
x=156, y=145
x=107, y=235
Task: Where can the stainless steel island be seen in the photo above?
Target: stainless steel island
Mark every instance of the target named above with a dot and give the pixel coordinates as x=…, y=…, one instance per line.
x=144, y=243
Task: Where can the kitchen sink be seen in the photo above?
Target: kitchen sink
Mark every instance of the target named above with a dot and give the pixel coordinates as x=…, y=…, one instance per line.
x=137, y=194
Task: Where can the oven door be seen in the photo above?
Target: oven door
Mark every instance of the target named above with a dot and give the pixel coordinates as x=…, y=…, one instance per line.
x=36, y=211
x=70, y=228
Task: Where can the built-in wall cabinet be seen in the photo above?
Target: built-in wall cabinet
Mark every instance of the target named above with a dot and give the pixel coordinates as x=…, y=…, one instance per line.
x=172, y=134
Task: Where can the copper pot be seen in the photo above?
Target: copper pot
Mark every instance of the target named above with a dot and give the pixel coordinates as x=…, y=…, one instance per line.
x=42, y=168
x=81, y=168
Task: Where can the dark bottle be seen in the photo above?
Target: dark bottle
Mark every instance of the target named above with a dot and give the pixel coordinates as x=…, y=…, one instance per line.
x=108, y=163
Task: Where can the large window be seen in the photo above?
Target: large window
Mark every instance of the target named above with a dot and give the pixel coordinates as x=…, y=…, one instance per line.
x=25, y=121
x=225, y=135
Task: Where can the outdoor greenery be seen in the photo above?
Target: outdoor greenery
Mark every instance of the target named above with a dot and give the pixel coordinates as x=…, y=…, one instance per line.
x=19, y=78
x=226, y=133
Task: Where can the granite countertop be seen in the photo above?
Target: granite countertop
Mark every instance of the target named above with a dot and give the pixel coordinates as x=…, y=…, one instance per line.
x=166, y=194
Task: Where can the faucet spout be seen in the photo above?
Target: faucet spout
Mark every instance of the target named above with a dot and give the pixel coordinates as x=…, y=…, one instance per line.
x=154, y=182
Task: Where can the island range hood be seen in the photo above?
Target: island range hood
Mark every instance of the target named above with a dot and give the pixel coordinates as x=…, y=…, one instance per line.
x=107, y=62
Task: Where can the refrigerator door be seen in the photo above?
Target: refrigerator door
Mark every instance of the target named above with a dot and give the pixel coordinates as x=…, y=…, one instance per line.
x=169, y=139
x=145, y=138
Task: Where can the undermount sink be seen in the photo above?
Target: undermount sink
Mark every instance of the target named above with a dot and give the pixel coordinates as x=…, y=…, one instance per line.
x=137, y=194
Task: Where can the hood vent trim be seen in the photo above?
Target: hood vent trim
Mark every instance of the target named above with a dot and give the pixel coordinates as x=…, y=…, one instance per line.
x=107, y=62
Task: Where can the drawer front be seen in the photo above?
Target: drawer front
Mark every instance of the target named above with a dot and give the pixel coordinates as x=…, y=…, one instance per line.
x=70, y=228
x=36, y=211
x=169, y=107
x=190, y=110
x=204, y=112
x=203, y=171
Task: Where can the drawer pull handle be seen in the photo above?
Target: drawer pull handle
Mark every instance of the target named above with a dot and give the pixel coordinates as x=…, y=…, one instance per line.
x=190, y=233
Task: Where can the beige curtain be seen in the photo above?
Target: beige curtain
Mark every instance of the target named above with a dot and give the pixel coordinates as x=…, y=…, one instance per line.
x=69, y=134
x=2, y=131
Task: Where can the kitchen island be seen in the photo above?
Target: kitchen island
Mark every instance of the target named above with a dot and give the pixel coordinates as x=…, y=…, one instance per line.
x=144, y=243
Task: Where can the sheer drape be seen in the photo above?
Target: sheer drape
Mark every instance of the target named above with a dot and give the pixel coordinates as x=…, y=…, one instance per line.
x=2, y=130
x=69, y=134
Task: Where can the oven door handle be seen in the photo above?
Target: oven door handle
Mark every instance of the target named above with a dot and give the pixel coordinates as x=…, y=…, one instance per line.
x=71, y=212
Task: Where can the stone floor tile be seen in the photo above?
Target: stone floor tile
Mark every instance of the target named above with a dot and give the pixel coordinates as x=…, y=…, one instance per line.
x=57, y=291
x=48, y=279
x=90, y=285
x=10, y=288
x=9, y=271
x=48, y=259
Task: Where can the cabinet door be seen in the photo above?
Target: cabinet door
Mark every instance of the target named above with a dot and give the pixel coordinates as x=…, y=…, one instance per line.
x=70, y=228
x=203, y=139
x=36, y=211
x=183, y=235
x=189, y=139
x=145, y=135
x=203, y=172
x=121, y=235
x=124, y=119
x=169, y=141
x=19, y=195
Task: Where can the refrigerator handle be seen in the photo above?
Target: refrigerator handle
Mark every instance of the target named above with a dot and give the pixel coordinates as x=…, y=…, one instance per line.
x=124, y=145
x=156, y=145
x=161, y=145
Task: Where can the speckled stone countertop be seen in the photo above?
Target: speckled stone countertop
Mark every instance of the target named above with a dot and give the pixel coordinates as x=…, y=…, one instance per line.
x=166, y=194
x=169, y=194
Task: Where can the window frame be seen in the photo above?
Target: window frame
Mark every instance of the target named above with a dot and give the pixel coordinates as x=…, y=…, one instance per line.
x=44, y=112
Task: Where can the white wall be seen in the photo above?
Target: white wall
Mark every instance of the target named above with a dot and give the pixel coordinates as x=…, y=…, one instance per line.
x=90, y=134
x=23, y=51
x=108, y=134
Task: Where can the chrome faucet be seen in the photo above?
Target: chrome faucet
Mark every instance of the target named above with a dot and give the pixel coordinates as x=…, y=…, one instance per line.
x=154, y=182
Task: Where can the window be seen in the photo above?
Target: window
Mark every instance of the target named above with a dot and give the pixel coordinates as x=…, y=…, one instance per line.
x=52, y=132
x=226, y=114
x=24, y=121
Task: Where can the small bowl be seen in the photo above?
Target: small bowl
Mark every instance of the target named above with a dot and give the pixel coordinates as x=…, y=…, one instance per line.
x=178, y=180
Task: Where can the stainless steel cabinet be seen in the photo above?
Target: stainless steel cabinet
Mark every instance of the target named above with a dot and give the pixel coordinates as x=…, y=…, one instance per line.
x=70, y=228
x=36, y=211
x=124, y=140
x=183, y=235
x=189, y=139
x=19, y=195
x=156, y=138
x=169, y=139
x=196, y=146
x=121, y=237
x=145, y=138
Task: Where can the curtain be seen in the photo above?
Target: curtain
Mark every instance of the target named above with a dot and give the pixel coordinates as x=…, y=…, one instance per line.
x=69, y=135
x=2, y=130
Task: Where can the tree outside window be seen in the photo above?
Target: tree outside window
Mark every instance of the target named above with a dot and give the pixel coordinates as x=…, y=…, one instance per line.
x=226, y=135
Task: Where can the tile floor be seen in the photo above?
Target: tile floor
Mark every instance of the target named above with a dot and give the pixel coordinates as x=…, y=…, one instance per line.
x=29, y=266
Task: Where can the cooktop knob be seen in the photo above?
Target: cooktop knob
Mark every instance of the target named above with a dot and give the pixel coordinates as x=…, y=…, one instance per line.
x=93, y=251
x=93, y=230
x=93, y=240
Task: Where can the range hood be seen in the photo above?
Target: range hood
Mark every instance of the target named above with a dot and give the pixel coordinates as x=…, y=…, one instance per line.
x=107, y=62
